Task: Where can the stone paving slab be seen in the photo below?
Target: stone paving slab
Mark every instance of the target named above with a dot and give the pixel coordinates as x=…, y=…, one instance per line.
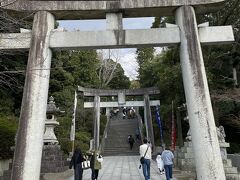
x=123, y=168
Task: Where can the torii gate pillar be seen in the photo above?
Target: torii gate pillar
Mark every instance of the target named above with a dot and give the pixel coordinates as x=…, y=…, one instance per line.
x=96, y=122
x=28, y=152
x=148, y=120
x=203, y=130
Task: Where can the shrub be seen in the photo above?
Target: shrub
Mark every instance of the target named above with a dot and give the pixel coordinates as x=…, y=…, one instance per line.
x=8, y=127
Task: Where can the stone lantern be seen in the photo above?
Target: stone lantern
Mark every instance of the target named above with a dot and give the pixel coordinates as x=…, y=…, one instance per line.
x=50, y=123
x=53, y=160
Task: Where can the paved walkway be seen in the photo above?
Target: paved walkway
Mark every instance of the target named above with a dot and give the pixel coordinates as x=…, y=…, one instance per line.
x=123, y=168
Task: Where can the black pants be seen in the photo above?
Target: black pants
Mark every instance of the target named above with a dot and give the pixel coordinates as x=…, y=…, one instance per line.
x=94, y=174
x=131, y=146
x=78, y=172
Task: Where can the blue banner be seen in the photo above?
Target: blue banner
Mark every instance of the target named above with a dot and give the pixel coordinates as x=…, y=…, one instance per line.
x=158, y=120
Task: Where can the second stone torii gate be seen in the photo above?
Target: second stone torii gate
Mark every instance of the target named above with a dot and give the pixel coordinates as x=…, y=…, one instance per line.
x=43, y=38
x=121, y=94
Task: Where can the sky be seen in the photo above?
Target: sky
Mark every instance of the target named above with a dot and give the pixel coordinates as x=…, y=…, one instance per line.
x=127, y=57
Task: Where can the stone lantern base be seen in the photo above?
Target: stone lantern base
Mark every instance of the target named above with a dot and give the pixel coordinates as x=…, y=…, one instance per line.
x=185, y=160
x=53, y=160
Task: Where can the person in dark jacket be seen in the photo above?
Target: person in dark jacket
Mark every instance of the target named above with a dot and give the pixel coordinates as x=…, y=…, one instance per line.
x=131, y=141
x=76, y=163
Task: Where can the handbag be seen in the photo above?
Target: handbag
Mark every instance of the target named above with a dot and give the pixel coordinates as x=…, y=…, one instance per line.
x=86, y=164
x=142, y=158
x=99, y=158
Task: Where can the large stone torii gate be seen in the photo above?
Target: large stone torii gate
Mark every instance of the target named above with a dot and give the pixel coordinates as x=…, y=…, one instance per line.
x=121, y=102
x=43, y=38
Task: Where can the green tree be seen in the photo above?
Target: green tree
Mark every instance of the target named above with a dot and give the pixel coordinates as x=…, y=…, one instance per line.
x=119, y=80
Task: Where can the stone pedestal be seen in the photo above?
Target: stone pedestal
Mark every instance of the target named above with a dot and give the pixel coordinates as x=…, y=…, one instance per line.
x=186, y=162
x=185, y=157
x=230, y=171
x=53, y=160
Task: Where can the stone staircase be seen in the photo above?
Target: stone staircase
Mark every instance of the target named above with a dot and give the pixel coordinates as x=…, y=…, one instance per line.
x=116, y=143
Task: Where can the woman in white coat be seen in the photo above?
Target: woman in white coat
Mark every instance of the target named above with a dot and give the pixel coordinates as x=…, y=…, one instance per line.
x=160, y=163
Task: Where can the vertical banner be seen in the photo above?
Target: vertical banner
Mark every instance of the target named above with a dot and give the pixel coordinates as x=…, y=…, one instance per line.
x=173, y=138
x=72, y=134
x=159, y=123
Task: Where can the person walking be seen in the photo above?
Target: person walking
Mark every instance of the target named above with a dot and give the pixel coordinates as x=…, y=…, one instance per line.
x=167, y=157
x=95, y=163
x=124, y=112
x=76, y=163
x=131, y=141
x=146, y=154
x=137, y=134
x=160, y=163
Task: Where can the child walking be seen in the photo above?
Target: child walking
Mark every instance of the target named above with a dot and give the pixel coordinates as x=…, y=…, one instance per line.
x=160, y=163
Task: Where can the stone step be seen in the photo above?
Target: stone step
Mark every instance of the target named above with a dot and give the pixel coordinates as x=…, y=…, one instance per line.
x=186, y=164
x=227, y=163
x=185, y=176
x=109, y=145
x=132, y=121
x=117, y=147
x=232, y=176
x=230, y=170
x=186, y=150
x=117, y=138
x=122, y=129
x=123, y=133
x=188, y=144
x=121, y=150
x=117, y=153
x=121, y=147
x=123, y=124
x=183, y=155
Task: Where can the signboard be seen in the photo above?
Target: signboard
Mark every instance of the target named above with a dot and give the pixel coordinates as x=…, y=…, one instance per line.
x=121, y=98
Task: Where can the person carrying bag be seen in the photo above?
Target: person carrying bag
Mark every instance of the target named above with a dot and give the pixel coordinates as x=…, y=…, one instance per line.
x=95, y=163
x=76, y=163
x=145, y=160
x=143, y=157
